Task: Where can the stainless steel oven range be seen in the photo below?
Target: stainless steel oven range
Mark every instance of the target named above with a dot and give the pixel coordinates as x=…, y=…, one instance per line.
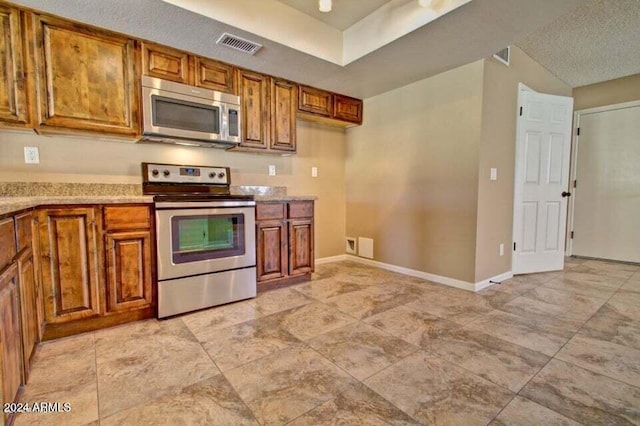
x=205, y=237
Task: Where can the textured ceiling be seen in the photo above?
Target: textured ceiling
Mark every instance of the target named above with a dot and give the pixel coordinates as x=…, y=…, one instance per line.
x=599, y=41
x=469, y=33
x=343, y=14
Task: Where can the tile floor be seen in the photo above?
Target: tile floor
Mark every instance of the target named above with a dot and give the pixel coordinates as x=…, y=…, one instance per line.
x=359, y=345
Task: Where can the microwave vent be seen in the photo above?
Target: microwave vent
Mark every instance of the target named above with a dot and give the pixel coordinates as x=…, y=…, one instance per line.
x=239, y=43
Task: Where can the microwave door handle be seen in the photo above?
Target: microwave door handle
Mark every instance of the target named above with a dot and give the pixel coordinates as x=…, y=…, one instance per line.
x=224, y=126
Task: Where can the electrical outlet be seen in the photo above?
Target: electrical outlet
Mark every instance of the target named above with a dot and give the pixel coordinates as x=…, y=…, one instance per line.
x=494, y=174
x=272, y=170
x=314, y=172
x=501, y=249
x=31, y=155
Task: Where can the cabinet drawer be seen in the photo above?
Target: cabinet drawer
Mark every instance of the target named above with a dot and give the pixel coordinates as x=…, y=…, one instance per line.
x=300, y=209
x=315, y=101
x=23, y=226
x=269, y=211
x=7, y=242
x=126, y=217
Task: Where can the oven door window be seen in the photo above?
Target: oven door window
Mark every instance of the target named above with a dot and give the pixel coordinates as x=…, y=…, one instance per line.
x=205, y=237
x=185, y=115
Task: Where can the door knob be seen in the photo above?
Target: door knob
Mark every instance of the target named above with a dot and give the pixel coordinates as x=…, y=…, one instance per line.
x=566, y=194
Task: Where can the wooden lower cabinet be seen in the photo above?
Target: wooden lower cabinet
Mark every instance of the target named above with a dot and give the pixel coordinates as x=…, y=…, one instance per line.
x=97, y=267
x=70, y=263
x=284, y=243
x=129, y=279
x=10, y=343
x=300, y=246
x=272, y=249
x=29, y=309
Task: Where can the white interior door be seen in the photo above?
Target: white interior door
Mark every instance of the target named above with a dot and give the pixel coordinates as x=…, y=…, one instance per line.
x=543, y=146
x=606, y=212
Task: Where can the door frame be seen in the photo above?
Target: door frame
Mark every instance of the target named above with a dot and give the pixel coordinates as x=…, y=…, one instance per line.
x=573, y=170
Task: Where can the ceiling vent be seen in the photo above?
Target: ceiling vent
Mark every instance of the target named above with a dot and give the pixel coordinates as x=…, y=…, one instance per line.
x=239, y=43
x=504, y=55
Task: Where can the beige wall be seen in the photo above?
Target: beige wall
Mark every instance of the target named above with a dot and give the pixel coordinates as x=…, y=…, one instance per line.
x=497, y=149
x=412, y=171
x=625, y=89
x=66, y=159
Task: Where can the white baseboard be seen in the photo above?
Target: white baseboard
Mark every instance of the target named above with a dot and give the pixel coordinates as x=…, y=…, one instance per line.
x=330, y=259
x=452, y=282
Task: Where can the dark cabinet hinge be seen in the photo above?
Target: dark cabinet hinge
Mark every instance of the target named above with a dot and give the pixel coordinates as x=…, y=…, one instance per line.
x=520, y=111
x=578, y=131
x=514, y=246
x=572, y=235
x=575, y=183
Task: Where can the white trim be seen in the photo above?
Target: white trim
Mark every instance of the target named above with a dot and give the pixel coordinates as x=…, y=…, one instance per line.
x=331, y=259
x=573, y=174
x=452, y=282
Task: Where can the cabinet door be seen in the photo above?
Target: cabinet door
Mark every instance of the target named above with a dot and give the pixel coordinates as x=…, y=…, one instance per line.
x=254, y=92
x=128, y=270
x=87, y=79
x=215, y=75
x=271, y=249
x=7, y=242
x=13, y=106
x=315, y=101
x=30, y=332
x=166, y=63
x=284, y=101
x=300, y=246
x=10, y=345
x=70, y=269
x=347, y=109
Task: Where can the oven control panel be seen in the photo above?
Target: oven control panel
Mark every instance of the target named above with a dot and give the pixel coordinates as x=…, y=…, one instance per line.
x=170, y=173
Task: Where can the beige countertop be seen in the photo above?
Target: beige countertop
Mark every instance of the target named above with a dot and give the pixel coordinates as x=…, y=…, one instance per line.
x=14, y=204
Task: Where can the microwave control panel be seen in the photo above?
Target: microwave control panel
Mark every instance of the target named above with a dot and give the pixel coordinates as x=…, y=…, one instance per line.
x=169, y=173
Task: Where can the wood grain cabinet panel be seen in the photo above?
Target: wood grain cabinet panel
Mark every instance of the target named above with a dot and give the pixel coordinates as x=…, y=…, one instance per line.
x=214, y=75
x=300, y=209
x=270, y=211
x=284, y=101
x=29, y=314
x=254, y=93
x=70, y=264
x=315, y=101
x=10, y=344
x=87, y=78
x=300, y=246
x=126, y=217
x=272, y=246
x=166, y=63
x=347, y=109
x=13, y=99
x=128, y=271
x=7, y=242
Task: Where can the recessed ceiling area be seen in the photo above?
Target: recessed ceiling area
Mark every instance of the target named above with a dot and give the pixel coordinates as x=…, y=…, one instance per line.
x=345, y=13
x=303, y=29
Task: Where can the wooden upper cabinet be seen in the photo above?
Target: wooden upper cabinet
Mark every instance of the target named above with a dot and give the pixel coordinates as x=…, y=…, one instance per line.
x=166, y=63
x=347, y=109
x=214, y=75
x=86, y=78
x=315, y=101
x=284, y=101
x=70, y=263
x=13, y=99
x=254, y=93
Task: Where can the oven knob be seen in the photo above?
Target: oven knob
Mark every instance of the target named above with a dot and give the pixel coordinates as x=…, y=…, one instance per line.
x=155, y=172
x=212, y=175
x=221, y=175
x=166, y=173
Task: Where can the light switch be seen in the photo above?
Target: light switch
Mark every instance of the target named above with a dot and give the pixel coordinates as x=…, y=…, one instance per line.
x=494, y=174
x=272, y=170
x=314, y=172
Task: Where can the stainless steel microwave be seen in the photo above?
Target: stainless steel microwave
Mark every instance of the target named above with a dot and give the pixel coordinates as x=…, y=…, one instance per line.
x=188, y=115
